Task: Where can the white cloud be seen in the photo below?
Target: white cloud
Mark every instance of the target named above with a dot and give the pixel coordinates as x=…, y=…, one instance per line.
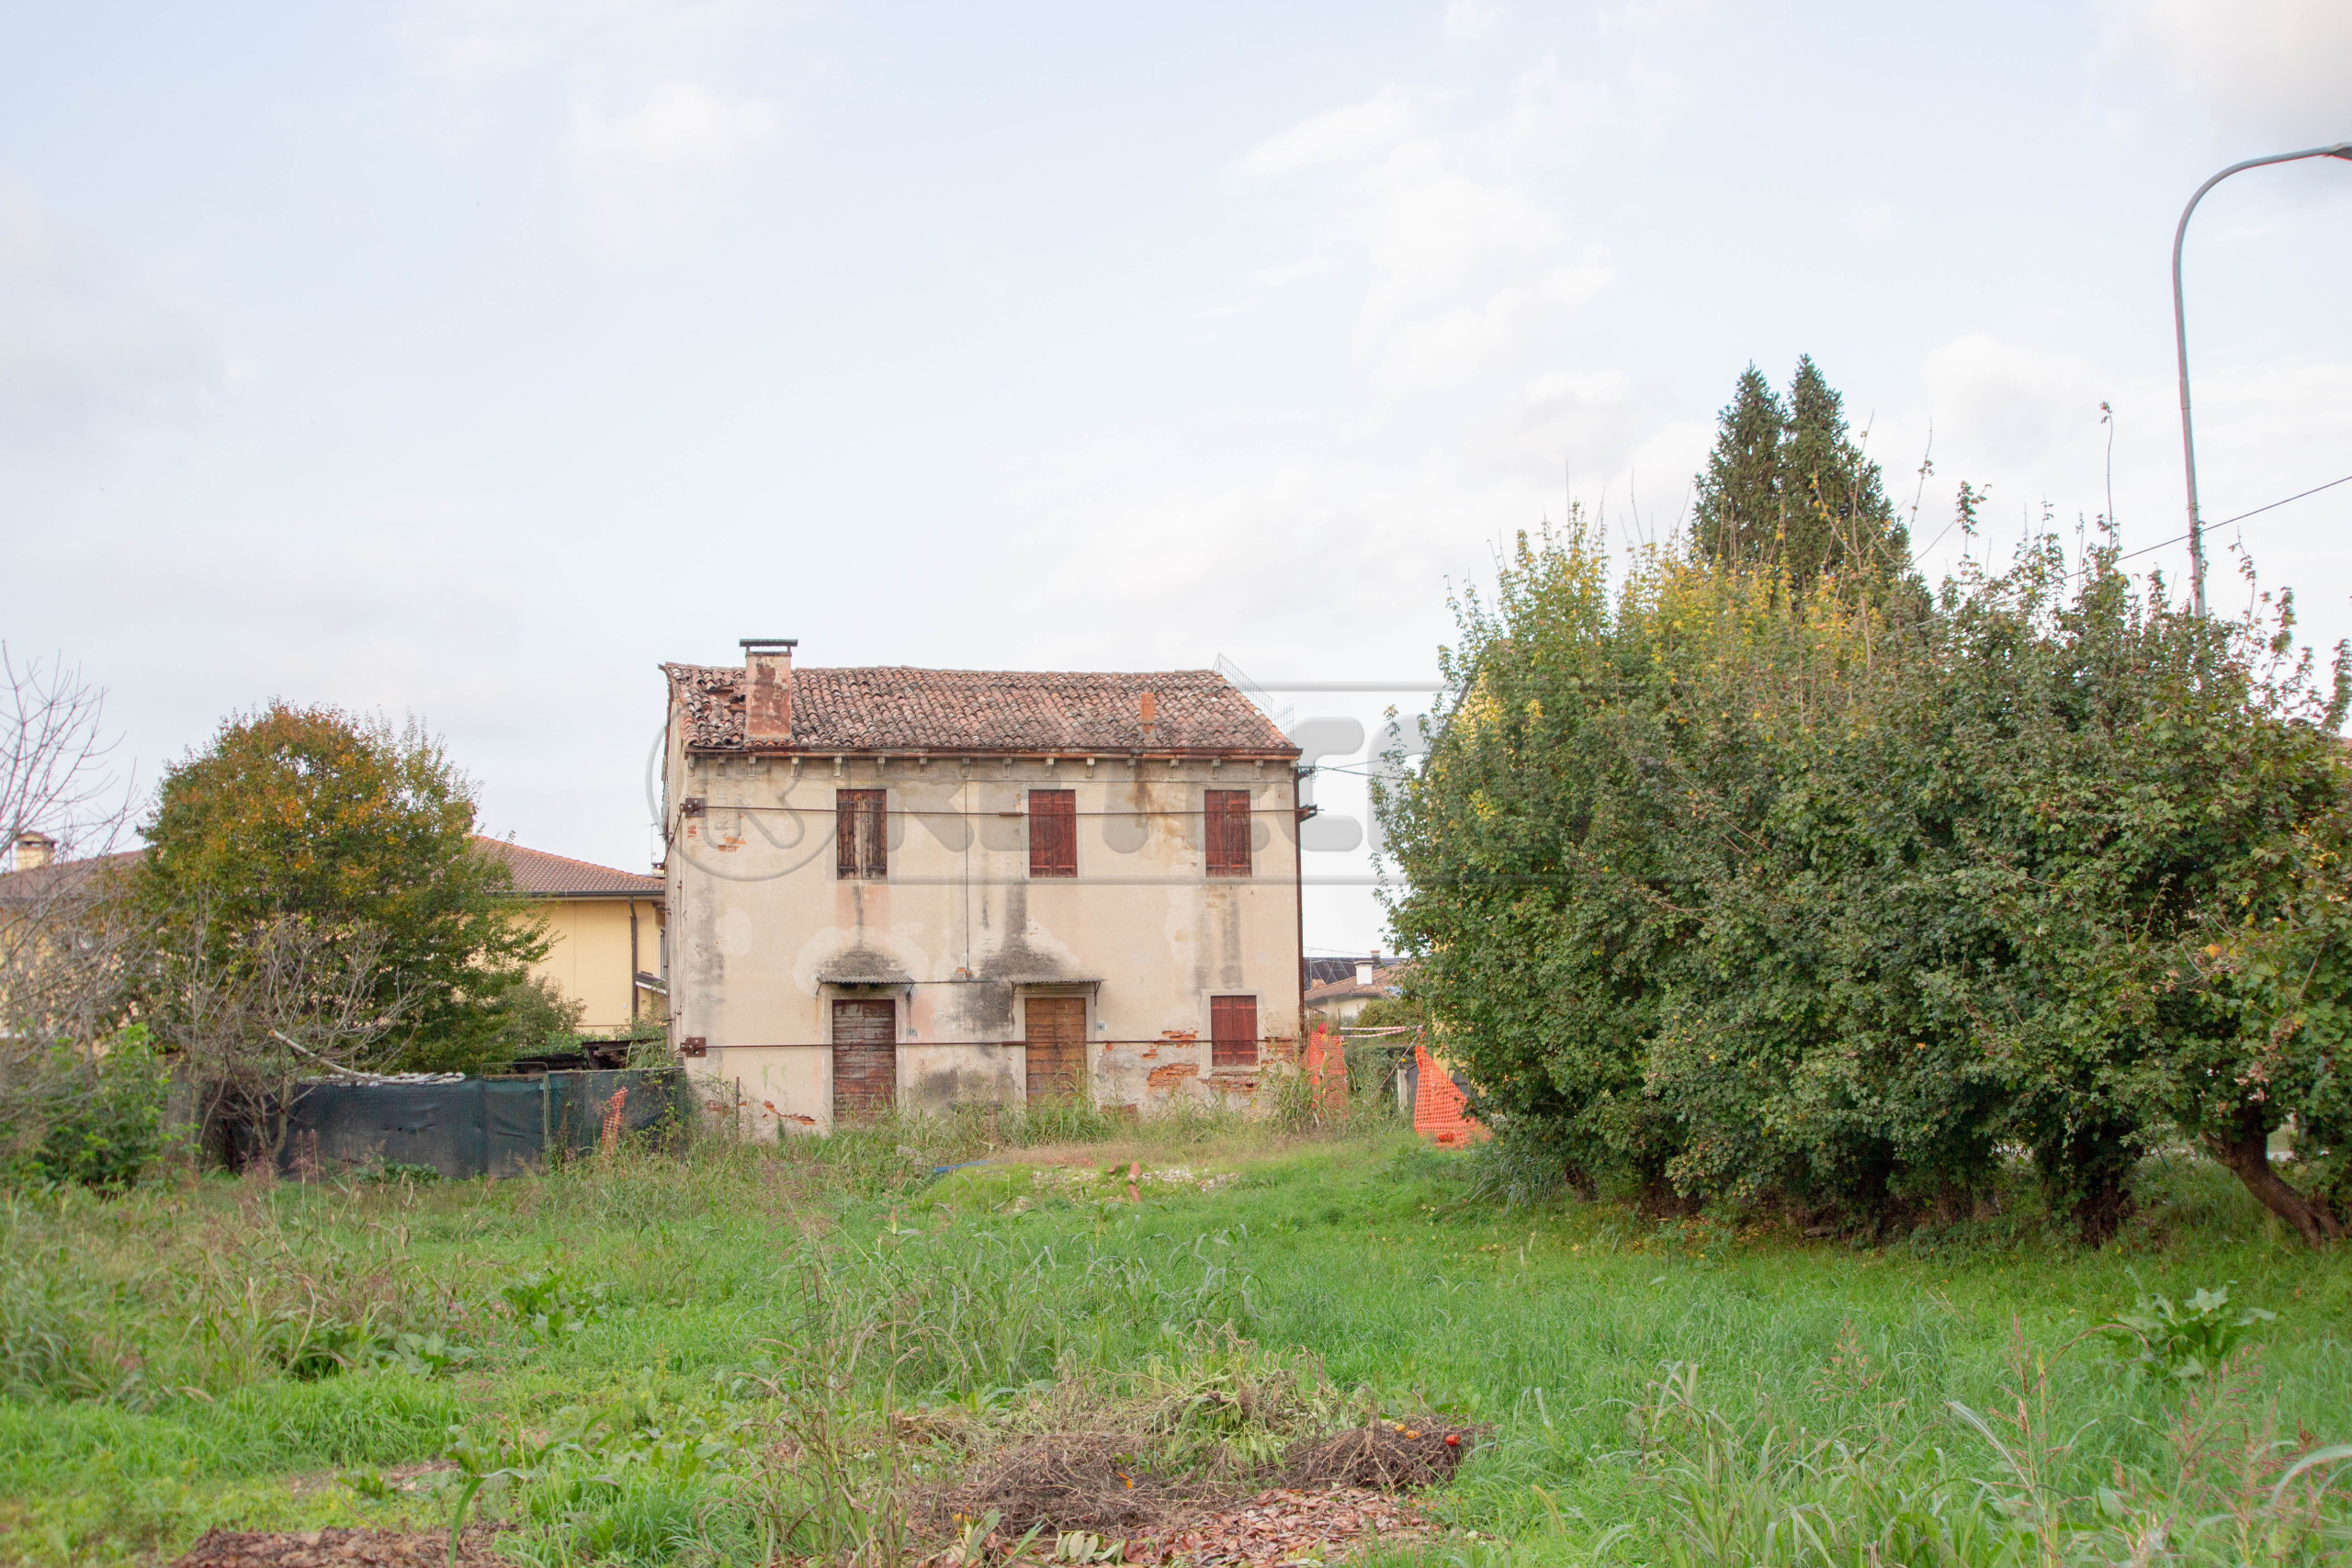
x=1464, y=263
x=1612, y=441
x=2027, y=425
x=680, y=125
x=649, y=171
x=1875, y=219
x=1468, y=19
x=470, y=45
x=1647, y=15
x=2279, y=67
x=1419, y=349
x=80, y=347
x=2007, y=406
x=1339, y=136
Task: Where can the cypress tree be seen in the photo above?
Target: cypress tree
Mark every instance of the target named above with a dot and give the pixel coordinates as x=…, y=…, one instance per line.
x=1839, y=514
x=1739, y=495
x=1787, y=485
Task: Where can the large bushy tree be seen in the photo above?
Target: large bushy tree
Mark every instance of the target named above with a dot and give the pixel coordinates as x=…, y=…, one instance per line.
x=1724, y=891
x=363, y=835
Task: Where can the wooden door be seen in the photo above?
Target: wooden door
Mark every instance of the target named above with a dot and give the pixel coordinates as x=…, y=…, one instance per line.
x=866, y=1059
x=1233, y=1031
x=1057, y=1042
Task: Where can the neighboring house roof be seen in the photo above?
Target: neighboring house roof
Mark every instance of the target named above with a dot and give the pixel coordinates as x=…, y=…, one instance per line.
x=19, y=889
x=892, y=708
x=538, y=875
x=1383, y=982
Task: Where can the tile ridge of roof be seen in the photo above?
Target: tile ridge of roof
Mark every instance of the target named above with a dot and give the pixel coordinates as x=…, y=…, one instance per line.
x=951, y=669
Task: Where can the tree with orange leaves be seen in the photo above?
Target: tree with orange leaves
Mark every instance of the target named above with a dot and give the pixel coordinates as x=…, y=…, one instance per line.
x=363, y=833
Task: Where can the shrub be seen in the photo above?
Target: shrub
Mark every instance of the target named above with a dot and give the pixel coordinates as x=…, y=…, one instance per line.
x=91, y=1119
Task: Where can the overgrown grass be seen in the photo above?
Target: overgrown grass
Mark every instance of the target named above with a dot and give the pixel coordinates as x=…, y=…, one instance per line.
x=757, y=1350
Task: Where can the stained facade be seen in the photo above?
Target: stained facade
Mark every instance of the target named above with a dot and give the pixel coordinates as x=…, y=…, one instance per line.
x=913, y=889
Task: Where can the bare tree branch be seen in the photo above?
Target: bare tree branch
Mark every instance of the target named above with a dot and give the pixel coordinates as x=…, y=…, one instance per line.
x=254, y=1017
x=72, y=953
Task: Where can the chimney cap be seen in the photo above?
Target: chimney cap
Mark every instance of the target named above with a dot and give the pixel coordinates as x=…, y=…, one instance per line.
x=769, y=642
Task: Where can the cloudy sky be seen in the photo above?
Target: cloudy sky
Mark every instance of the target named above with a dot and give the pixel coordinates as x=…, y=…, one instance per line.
x=468, y=360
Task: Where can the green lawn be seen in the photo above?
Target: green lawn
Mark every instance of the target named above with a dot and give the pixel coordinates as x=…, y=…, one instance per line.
x=697, y=1360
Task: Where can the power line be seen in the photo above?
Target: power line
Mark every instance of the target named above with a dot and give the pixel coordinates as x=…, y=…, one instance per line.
x=2241, y=517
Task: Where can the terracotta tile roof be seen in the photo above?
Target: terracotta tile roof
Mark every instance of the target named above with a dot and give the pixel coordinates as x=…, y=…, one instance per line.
x=892, y=708
x=33, y=886
x=542, y=875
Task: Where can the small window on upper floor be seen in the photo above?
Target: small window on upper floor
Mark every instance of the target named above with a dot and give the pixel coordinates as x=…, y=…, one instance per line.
x=1052, y=832
x=1228, y=832
x=860, y=844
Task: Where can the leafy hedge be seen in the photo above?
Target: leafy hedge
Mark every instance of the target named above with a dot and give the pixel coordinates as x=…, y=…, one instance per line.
x=1726, y=891
x=92, y=1118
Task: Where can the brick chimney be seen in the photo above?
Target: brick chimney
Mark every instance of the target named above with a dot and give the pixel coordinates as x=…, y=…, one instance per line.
x=767, y=691
x=33, y=847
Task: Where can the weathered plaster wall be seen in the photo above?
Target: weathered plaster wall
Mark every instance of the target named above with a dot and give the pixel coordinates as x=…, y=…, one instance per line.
x=764, y=936
x=759, y=1086
x=934, y=1078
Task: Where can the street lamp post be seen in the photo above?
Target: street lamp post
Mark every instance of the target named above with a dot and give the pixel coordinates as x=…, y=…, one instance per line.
x=2180, y=336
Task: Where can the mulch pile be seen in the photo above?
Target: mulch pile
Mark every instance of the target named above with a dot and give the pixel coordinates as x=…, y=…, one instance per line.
x=1329, y=1490
x=1277, y=1527
x=1073, y=1481
x=341, y=1549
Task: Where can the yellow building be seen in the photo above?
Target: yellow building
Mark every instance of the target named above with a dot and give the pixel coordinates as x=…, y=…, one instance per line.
x=604, y=927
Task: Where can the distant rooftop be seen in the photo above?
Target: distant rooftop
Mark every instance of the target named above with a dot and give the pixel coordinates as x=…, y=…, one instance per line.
x=542, y=875
x=538, y=874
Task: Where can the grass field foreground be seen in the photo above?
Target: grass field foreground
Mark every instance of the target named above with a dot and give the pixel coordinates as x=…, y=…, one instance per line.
x=748, y=1353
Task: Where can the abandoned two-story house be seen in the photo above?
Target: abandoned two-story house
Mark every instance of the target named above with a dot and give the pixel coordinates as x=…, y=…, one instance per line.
x=920, y=888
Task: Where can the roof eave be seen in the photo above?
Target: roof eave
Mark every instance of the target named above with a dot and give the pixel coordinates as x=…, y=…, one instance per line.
x=536, y=896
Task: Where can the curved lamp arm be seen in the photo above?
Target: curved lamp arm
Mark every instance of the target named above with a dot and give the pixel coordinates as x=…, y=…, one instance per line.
x=2181, y=338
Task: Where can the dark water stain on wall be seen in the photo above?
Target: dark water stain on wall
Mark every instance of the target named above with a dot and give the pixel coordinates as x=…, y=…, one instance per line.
x=1222, y=916
x=938, y=1088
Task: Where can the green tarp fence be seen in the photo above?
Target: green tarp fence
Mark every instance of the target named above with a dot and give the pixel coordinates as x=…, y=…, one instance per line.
x=480, y=1126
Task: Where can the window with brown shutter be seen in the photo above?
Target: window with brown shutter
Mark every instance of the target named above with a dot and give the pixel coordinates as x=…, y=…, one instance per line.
x=1233, y=1031
x=861, y=849
x=1052, y=832
x=1228, y=832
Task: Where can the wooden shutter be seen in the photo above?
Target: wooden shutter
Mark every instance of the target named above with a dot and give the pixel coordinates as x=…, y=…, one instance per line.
x=1233, y=1031
x=860, y=845
x=866, y=1059
x=1052, y=832
x=1227, y=811
x=1055, y=1028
